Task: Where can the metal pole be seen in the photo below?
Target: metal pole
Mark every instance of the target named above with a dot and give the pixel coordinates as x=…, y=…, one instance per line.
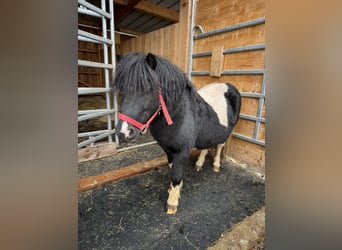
x=96, y=138
x=113, y=59
x=102, y=12
x=95, y=37
x=259, y=111
x=106, y=71
x=232, y=27
x=232, y=50
x=86, y=91
x=231, y=72
x=193, y=6
x=94, y=115
x=94, y=64
x=246, y=138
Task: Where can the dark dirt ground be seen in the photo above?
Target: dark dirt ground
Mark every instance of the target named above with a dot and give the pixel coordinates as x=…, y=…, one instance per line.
x=130, y=214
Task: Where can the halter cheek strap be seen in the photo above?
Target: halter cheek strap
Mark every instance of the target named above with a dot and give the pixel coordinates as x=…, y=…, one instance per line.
x=164, y=108
x=143, y=127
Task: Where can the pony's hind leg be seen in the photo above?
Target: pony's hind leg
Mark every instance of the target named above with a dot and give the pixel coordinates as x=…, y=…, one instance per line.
x=200, y=161
x=217, y=158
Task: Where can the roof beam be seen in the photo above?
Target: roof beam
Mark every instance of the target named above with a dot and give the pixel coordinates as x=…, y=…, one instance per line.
x=157, y=10
x=121, y=2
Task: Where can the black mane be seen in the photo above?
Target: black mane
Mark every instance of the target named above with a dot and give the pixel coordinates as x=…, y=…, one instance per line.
x=134, y=75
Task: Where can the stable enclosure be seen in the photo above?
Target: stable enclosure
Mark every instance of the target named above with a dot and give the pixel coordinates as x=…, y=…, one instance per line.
x=211, y=41
x=123, y=187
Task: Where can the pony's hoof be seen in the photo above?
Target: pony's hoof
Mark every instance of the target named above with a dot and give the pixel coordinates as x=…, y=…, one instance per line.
x=198, y=168
x=171, y=209
x=216, y=169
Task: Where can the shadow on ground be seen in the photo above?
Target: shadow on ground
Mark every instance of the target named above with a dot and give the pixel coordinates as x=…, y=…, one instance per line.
x=130, y=214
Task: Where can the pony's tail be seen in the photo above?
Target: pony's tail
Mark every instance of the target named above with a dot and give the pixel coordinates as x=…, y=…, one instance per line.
x=234, y=97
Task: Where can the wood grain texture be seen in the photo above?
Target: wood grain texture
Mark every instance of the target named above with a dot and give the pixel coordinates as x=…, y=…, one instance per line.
x=216, y=64
x=95, y=152
x=91, y=182
x=212, y=15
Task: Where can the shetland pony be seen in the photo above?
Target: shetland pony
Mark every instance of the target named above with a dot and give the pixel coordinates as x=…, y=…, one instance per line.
x=155, y=94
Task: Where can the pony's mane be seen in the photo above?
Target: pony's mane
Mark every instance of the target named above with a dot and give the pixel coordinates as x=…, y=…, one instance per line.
x=134, y=76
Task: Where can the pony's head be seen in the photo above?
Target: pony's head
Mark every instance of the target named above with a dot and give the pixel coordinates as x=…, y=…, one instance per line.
x=143, y=83
x=137, y=86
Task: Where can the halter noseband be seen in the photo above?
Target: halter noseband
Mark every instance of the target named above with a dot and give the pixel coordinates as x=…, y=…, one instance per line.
x=143, y=127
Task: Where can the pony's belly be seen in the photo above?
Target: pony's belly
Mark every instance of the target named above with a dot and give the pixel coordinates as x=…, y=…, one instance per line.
x=212, y=137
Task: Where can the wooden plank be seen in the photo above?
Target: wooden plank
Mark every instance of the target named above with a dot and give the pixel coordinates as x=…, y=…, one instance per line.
x=163, y=42
x=171, y=44
x=261, y=136
x=249, y=153
x=212, y=15
x=121, y=2
x=263, y=112
x=247, y=234
x=244, y=83
x=249, y=106
x=245, y=127
x=183, y=35
x=235, y=61
x=88, y=50
x=100, y=150
x=216, y=64
x=245, y=60
x=84, y=84
x=157, y=10
x=91, y=182
x=233, y=39
x=88, y=73
x=117, y=38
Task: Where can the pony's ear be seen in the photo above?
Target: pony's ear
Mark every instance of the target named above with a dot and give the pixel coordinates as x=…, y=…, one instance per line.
x=118, y=58
x=151, y=60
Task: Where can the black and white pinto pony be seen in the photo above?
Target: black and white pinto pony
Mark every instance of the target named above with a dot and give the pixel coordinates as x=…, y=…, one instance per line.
x=155, y=94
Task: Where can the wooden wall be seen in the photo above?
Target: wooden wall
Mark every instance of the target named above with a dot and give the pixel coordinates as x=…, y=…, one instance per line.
x=171, y=42
x=88, y=76
x=162, y=42
x=212, y=15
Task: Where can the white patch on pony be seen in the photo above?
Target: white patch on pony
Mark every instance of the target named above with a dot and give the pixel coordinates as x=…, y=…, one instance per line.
x=124, y=129
x=213, y=94
x=174, y=196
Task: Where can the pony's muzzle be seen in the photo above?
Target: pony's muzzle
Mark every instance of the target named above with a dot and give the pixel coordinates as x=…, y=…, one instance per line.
x=126, y=131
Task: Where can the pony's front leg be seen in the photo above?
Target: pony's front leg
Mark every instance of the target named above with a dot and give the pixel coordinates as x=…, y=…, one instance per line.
x=176, y=174
x=169, y=156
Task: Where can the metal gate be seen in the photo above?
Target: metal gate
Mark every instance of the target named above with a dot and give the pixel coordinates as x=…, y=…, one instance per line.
x=107, y=65
x=258, y=119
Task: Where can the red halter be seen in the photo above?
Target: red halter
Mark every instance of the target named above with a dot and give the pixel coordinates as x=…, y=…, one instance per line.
x=143, y=127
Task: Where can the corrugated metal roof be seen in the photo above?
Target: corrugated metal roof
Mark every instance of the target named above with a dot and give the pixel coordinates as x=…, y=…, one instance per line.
x=143, y=23
x=128, y=18
x=137, y=21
